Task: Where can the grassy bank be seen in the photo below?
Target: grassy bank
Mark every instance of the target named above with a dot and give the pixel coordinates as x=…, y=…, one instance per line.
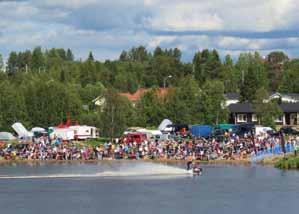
x=270, y=160
x=290, y=162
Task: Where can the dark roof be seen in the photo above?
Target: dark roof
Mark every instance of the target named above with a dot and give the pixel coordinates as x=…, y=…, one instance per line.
x=290, y=107
x=241, y=108
x=232, y=96
x=236, y=96
x=248, y=108
x=291, y=95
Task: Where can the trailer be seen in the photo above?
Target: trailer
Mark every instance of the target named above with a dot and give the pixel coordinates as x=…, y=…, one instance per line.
x=74, y=133
x=201, y=131
x=65, y=134
x=152, y=134
x=84, y=132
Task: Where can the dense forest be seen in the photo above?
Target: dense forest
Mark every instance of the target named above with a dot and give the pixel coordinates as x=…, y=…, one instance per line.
x=42, y=87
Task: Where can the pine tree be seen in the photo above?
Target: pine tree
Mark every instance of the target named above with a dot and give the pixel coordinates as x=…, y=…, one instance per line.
x=123, y=56
x=1, y=63
x=90, y=57
x=249, y=87
x=38, y=60
x=12, y=63
x=69, y=55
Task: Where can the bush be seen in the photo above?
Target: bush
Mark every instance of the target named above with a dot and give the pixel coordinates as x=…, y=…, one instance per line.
x=290, y=163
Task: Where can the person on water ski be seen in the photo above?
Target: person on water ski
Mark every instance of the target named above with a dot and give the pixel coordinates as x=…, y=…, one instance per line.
x=189, y=162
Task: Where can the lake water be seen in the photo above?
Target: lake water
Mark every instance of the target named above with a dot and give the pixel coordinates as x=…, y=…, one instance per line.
x=131, y=187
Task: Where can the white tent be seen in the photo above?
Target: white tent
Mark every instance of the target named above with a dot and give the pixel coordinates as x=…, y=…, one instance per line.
x=6, y=136
x=164, y=124
x=37, y=129
x=21, y=130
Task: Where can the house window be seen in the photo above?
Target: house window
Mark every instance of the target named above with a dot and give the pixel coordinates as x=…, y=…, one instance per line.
x=293, y=118
x=241, y=118
x=254, y=118
x=278, y=119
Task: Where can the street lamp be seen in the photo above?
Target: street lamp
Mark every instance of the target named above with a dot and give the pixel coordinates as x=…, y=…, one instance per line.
x=164, y=81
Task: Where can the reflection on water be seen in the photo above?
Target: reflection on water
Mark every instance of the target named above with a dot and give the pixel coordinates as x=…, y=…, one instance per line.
x=221, y=189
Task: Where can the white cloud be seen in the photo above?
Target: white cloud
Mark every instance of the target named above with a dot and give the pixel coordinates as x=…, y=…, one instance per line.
x=107, y=27
x=184, y=16
x=250, y=15
x=70, y=4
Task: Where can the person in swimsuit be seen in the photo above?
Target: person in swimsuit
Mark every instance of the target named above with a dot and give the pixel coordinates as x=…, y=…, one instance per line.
x=189, y=162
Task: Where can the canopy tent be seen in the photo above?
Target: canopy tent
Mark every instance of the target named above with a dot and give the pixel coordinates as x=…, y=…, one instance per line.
x=21, y=130
x=164, y=124
x=38, y=129
x=226, y=126
x=6, y=136
x=201, y=130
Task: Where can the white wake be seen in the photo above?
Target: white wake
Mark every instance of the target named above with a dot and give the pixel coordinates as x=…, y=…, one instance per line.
x=141, y=170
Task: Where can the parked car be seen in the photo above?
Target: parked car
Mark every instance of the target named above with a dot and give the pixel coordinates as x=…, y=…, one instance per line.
x=219, y=134
x=134, y=137
x=273, y=133
x=289, y=131
x=246, y=128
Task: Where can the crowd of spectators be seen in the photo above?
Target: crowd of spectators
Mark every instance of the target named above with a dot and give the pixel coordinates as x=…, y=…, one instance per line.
x=230, y=147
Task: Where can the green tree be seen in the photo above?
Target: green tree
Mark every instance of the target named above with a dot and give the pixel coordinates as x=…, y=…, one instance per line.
x=12, y=63
x=38, y=60
x=50, y=103
x=212, y=101
x=90, y=57
x=138, y=54
x=124, y=56
x=88, y=73
x=12, y=106
x=255, y=65
x=69, y=55
x=150, y=109
x=207, y=65
x=61, y=53
x=162, y=66
x=62, y=76
x=266, y=110
x=116, y=114
x=290, y=78
x=91, y=92
x=1, y=63
x=229, y=75
x=183, y=103
x=249, y=87
x=275, y=66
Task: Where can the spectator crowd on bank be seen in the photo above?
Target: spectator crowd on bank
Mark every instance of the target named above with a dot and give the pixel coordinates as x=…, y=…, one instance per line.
x=230, y=147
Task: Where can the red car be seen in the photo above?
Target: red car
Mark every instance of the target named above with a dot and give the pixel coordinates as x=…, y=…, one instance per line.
x=134, y=137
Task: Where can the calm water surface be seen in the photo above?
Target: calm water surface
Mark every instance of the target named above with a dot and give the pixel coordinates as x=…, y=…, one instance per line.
x=221, y=189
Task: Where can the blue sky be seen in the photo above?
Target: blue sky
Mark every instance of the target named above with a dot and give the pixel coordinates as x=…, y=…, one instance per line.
x=106, y=27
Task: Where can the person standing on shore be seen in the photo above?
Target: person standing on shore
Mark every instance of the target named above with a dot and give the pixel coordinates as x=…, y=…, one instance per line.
x=296, y=145
x=282, y=143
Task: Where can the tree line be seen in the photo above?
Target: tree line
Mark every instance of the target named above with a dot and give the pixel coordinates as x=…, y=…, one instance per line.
x=42, y=87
